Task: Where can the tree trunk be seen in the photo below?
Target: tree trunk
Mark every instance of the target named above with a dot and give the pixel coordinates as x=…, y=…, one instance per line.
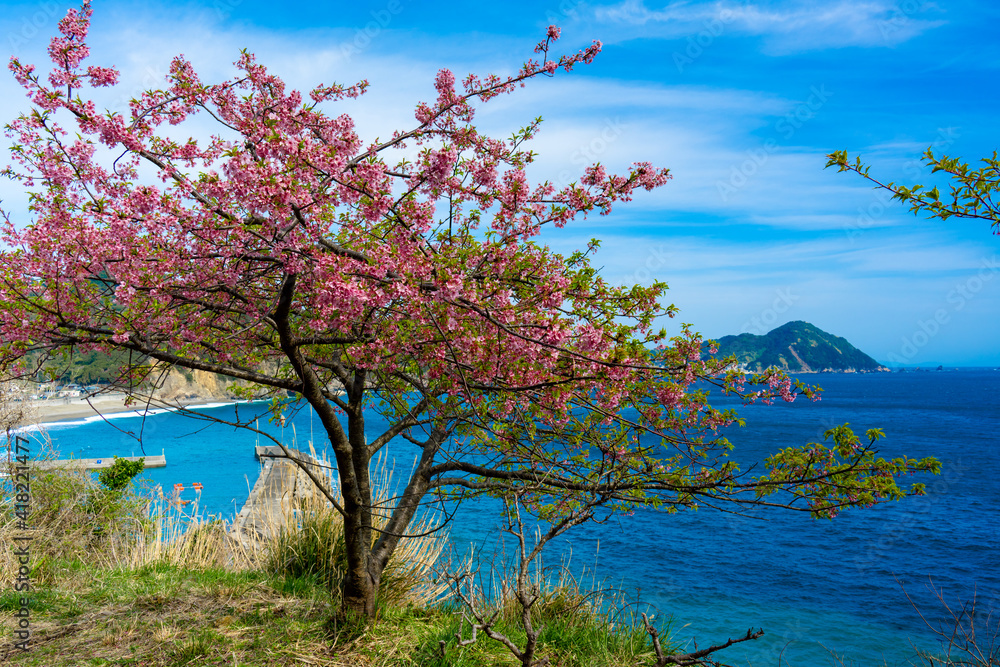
x=360, y=586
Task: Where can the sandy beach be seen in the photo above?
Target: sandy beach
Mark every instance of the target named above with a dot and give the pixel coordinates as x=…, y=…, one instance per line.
x=68, y=409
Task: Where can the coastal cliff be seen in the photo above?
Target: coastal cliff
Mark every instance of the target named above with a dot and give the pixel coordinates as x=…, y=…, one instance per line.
x=183, y=385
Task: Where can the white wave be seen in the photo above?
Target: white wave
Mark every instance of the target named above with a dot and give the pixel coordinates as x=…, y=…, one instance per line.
x=129, y=414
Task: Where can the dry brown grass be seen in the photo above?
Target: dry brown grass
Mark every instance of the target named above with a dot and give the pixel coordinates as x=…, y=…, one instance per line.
x=309, y=523
x=136, y=532
x=13, y=412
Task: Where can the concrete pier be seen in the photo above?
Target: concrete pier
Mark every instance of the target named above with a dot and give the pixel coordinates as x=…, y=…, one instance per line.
x=280, y=483
x=98, y=464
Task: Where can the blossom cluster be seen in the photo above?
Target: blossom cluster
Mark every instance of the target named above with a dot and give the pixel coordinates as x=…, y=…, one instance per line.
x=287, y=241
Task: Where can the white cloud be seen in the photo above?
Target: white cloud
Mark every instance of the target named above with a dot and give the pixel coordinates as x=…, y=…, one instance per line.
x=787, y=27
x=875, y=293
x=792, y=226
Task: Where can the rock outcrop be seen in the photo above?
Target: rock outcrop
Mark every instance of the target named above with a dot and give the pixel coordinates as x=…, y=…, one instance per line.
x=180, y=384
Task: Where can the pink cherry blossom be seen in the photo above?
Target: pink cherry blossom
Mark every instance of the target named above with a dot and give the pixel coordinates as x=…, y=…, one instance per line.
x=291, y=254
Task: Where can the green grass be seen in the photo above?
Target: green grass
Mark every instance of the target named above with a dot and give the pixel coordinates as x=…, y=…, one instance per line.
x=567, y=638
x=125, y=597
x=169, y=615
x=170, y=603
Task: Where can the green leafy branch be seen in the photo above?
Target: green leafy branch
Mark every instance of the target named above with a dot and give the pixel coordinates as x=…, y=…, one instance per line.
x=843, y=473
x=972, y=195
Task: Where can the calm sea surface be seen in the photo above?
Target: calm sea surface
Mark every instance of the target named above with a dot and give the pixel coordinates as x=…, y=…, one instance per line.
x=817, y=588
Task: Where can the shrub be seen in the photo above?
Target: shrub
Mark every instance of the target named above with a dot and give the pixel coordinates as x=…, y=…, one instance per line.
x=120, y=473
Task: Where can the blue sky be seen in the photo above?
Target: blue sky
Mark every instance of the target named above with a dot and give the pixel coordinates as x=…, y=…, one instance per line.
x=741, y=100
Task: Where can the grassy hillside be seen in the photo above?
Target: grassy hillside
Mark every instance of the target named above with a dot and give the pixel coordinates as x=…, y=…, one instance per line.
x=119, y=579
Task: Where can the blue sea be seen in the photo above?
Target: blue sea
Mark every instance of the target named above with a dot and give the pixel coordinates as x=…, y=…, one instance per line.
x=823, y=591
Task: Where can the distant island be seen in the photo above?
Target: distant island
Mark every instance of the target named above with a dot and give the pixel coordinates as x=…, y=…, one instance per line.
x=797, y=347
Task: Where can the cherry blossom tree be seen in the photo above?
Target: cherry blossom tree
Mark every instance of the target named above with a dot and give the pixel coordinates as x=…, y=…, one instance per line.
x=402, y=277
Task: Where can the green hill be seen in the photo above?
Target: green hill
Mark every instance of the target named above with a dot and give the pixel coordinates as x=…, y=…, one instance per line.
x=797, y=347
x=82, y=367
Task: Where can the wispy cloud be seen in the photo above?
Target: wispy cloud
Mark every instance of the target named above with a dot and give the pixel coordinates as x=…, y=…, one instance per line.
x=751, y=226
x=802, y=26
x=727, y=287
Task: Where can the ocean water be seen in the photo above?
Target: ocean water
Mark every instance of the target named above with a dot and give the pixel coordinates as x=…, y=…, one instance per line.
x=823, y=591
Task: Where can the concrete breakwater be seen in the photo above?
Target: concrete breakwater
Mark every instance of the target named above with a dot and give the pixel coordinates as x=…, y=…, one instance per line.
x=99, y=464
x=282, y=482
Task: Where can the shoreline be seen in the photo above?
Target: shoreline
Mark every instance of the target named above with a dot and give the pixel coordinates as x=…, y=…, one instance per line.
x=42, y=413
